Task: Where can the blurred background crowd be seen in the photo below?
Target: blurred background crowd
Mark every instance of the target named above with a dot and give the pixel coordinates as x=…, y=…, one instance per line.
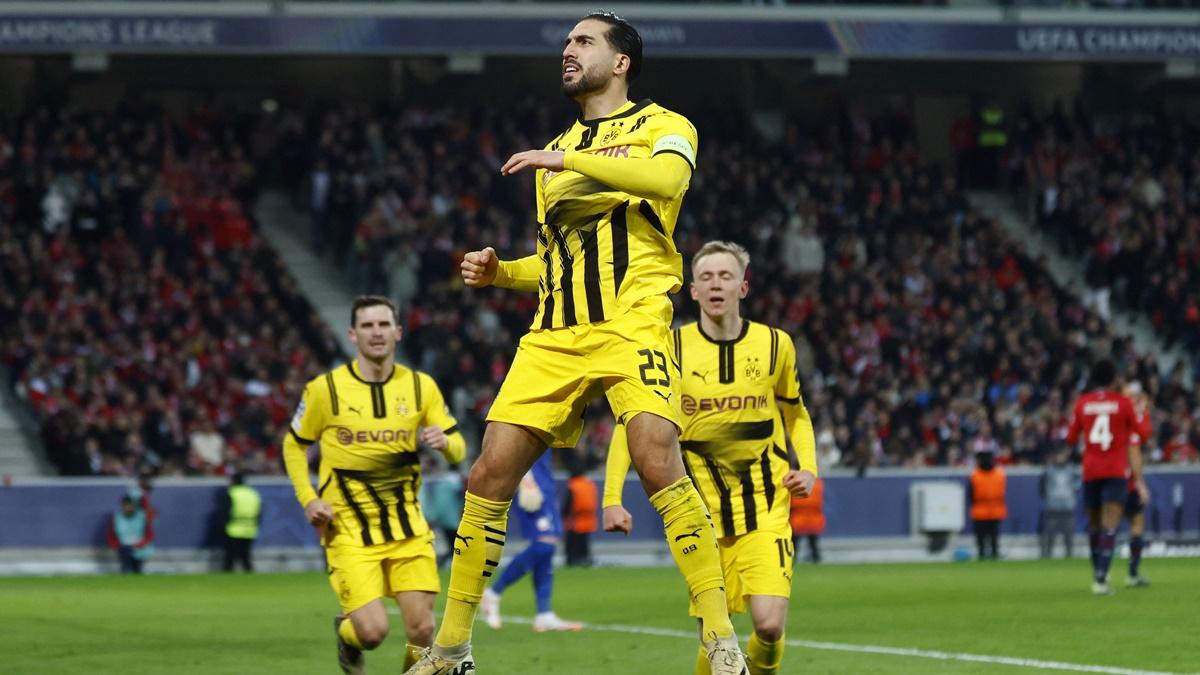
x=148, y=323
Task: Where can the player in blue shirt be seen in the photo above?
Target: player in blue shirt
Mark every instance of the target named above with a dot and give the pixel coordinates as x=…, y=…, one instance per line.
x=537, y=512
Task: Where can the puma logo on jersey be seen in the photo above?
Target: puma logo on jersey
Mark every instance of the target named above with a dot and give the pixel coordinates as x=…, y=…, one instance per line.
x=694, y=533
x=465, y=540
x=665, y=397
x=354, y=410
x=703, y=376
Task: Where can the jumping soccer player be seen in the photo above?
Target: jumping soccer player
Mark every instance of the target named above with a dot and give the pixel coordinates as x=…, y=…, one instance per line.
x=608, y=192
x=369, y=416
x=738, y=377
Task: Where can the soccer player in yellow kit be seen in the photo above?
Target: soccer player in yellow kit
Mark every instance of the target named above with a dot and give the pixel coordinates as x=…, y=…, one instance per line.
x=608, y=189
x=738, y=377
x=370, y=416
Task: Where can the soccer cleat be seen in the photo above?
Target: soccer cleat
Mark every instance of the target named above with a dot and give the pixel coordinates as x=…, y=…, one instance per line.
x=1101, y=588
x=724, y=656
x=350, y=658
x=449, y=661
x=1137, y=582
x=489, y=604
x=549, y=621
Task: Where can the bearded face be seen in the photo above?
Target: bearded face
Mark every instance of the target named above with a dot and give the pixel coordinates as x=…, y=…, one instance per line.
x=579, y=80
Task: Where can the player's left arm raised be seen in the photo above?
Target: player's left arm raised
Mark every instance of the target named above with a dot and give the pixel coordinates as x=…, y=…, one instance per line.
x=797, y=424
x=439, y=429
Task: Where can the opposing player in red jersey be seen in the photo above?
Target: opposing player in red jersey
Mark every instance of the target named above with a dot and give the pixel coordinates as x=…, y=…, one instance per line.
x=1137, y=497
x=1107, y=421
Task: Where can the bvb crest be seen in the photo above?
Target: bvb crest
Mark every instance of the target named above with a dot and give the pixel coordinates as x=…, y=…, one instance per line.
x=753, y=370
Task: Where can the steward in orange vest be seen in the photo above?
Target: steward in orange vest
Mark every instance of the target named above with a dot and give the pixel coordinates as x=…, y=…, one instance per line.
x=808, y=514
x=988, y=508
x=580, y=506
x=808, y=519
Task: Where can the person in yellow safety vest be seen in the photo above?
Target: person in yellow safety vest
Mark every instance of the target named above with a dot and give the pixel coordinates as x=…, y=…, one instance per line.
x=993, y=138
x=991, y=127
x=241, y=529
x=988, y=508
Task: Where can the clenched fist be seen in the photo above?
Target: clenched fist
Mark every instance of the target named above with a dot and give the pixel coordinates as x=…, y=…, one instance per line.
x=617, y=519
x=479, y=268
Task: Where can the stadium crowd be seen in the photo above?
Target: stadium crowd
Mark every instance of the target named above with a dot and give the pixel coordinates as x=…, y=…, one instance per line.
x=923, y=333
x=1122, y=194
x=144, y=320
x=148, y=324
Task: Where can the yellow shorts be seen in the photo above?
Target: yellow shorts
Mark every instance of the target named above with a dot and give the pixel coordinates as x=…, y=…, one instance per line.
x=557, y=372
x=359, y=574
x=756, y=563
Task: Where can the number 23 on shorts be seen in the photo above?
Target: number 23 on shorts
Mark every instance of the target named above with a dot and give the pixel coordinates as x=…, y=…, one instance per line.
x=653, y=367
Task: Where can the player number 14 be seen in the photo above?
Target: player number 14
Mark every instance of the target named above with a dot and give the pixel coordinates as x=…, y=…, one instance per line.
x=785, y=552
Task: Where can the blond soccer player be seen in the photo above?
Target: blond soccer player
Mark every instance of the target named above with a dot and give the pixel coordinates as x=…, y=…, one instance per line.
x=741, y=406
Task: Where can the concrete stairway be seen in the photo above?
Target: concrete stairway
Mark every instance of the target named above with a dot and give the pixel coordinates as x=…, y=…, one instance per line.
x=325, y=285
x=19, y=455
x=1068, y=273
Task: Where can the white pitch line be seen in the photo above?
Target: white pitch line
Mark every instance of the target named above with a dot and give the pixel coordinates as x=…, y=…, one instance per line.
x=877, y=649
x=1037, y=664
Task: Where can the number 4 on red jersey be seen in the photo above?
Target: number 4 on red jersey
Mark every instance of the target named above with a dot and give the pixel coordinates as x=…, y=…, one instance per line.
x=1107, y=422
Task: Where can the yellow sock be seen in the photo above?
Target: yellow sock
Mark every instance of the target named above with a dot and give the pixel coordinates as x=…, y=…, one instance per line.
x=702, y=667
x=764, y=658
x=346, y=630
x=477, y=549
x=412, y=654
x=693, y=543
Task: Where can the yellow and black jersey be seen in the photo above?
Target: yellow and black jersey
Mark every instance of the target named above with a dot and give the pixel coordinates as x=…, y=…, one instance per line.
x=601, y=249
x=370, y=466
x=741, y=404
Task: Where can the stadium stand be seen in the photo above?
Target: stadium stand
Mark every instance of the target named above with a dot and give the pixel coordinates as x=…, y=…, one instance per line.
x=143, y=319
x=944, y=334
x=1121, y=192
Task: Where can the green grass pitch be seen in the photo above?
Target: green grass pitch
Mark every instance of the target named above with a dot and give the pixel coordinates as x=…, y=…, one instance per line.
x=280, y=623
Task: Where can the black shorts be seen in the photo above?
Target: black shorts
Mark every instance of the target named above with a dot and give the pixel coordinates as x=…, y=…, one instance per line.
x=1133, y=504
x=1104, y=491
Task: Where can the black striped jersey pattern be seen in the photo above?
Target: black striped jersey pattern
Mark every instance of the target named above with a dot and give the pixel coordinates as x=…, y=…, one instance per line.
x=733, y=436
x=370, y=468
x=601, y=249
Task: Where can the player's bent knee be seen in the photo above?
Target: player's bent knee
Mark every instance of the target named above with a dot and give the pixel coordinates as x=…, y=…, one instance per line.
x=373, y=635
x=420, y=632
x=769, y=629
